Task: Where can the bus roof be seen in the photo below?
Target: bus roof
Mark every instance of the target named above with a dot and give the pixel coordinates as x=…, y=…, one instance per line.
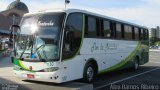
x=86, y=12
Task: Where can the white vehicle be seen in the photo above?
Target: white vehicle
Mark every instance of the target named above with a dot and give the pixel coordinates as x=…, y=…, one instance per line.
x=5, y=40
x=65, y=45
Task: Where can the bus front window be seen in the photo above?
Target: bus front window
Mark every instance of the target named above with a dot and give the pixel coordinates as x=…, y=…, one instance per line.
x=40, y=36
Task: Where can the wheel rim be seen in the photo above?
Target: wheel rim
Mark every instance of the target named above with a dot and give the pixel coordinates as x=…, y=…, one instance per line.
x=90, y=73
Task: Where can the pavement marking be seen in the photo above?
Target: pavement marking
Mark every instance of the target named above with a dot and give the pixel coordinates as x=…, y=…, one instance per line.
x=154, y=57
x=154, y=62
x=154, y=50
x=125, y=79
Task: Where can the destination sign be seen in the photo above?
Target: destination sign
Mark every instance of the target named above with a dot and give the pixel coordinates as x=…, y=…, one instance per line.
x=50, y=23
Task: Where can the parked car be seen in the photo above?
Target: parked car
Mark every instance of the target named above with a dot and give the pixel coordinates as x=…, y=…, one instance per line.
x=153, y=47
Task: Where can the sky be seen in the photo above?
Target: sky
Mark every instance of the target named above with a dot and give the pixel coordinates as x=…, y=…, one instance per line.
x=142, y=12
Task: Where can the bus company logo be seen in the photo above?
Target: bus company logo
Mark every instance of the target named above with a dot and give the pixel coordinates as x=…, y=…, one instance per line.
x=50, y=23
x=30, y=68
x=103, y=47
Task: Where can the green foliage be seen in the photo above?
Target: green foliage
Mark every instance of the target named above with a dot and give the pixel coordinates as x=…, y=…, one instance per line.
x=154, y=41
x=1, y=51
x=157, y=43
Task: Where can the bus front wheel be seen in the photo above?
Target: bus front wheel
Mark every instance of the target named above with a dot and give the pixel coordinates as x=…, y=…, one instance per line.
x=89, y=73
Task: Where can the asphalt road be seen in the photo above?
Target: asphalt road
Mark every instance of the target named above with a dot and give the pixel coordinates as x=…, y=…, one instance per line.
x=145, y=78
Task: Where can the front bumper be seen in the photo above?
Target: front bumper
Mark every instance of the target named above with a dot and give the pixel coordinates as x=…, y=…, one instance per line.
x=40, y=76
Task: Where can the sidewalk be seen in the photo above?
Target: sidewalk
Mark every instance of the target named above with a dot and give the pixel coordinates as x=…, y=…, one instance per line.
x=156, y=50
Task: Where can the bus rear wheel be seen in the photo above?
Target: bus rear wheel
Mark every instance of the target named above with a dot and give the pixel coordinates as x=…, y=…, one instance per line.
x=89, y=73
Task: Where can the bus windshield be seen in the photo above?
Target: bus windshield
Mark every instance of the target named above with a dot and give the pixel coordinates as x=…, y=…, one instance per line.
x=39, y=37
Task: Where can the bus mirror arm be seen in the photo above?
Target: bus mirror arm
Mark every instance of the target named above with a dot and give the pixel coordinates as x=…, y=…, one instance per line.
x=12, y=32
x=14, y=26
x=11, y=36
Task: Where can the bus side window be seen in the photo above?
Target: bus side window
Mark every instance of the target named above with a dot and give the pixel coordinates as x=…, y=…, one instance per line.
x=113, y=29
x=142, y=34
x=145, y=34
x=136, y=33
x=106, y=29
x=128, y=32
x=98, y=27
x=72, y=35
x=91, y=26
x=133, y=33
x=118, y=31
x=139, y=29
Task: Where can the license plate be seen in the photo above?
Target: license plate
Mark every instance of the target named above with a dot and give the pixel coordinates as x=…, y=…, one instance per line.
x=30, y=76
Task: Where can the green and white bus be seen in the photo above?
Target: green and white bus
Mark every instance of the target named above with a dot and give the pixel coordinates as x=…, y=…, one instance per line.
x=65, y=45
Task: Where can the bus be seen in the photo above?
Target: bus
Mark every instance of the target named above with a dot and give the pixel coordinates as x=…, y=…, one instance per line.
x=65, y=45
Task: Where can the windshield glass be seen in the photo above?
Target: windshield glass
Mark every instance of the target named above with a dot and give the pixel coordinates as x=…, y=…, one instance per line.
x=40, y=36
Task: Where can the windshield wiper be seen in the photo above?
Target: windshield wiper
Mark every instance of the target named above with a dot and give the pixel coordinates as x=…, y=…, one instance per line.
x=41, y=59
x=40, y=56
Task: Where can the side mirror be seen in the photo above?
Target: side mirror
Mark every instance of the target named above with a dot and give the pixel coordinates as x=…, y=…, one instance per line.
x=13, y=28
x=68, y=36
x=13, y=33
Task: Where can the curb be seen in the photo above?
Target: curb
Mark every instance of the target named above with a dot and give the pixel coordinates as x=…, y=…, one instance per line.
x=152, y=50
x=69, y=86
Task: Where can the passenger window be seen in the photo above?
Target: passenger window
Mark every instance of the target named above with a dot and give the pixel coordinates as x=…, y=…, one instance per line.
x=145, y=34
x=139, y=33
x=136, y=33
x=106, y=29
x=118, y=31
x=133, y=33
x=113, y=29
x=142, y=34
x=73, y=35
x=91, y=26
x=128, y=32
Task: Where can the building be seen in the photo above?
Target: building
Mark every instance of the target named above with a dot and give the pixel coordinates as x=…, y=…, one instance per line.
x=12, y=15
x=150, y=34
x=155, y=32
x=158, y=32
x=154, y=35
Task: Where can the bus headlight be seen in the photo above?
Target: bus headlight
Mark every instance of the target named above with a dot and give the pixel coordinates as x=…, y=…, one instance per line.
x=51, y=69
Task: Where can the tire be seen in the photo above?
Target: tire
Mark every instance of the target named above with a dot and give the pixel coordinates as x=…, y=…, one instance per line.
x=136, y=64
x=89, y=73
